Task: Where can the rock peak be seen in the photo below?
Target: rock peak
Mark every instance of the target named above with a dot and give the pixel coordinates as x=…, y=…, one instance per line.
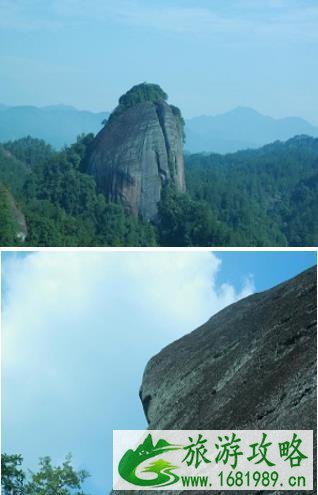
x=139, y=151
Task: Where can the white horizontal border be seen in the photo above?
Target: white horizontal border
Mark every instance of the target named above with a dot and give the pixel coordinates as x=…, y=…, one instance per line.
x=160, y=249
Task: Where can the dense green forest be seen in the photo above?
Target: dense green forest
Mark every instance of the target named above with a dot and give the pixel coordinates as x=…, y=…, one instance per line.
x=60, y=203
x=264, y=197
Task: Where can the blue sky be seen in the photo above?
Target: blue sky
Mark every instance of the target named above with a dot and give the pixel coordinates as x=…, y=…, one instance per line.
x=209, y=55
x=79, y=328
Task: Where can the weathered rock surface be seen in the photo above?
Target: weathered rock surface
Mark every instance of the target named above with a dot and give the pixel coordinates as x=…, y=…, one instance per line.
x=138, y=152
x=21, y=230
x=251, y=366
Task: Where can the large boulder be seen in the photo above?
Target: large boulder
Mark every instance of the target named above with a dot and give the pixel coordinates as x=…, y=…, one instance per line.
x=251, y=366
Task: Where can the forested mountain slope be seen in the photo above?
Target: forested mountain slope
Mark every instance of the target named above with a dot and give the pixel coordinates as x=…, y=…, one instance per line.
x=257, y=193
x=264, y=197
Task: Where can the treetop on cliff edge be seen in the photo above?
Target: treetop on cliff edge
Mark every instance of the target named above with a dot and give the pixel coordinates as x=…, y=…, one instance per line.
x=142, y=92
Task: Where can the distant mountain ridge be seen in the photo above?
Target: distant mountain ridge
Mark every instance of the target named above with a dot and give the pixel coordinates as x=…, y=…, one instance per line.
x=240, y=128
x=58, y=125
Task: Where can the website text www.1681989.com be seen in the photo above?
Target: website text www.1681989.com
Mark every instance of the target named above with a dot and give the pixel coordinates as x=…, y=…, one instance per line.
x=256, y=480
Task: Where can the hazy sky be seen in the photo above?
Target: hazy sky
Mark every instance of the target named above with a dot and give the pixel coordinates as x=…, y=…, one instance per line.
x=78, y=330
x=208, y=55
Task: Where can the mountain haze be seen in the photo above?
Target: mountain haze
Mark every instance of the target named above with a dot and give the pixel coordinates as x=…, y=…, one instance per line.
x=58, y=125
x=241, y=128
x=228, y=132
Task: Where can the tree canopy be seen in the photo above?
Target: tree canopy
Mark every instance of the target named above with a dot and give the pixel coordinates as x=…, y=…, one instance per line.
x=12, y=475
x=48, y=480
x=264, y=197
x=142, y=92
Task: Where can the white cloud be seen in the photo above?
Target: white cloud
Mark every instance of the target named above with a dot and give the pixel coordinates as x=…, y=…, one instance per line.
x=59, y=289
x=78, y=330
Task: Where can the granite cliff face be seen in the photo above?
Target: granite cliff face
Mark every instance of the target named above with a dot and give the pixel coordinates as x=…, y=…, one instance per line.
x=251, y=366
x=139, y=151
